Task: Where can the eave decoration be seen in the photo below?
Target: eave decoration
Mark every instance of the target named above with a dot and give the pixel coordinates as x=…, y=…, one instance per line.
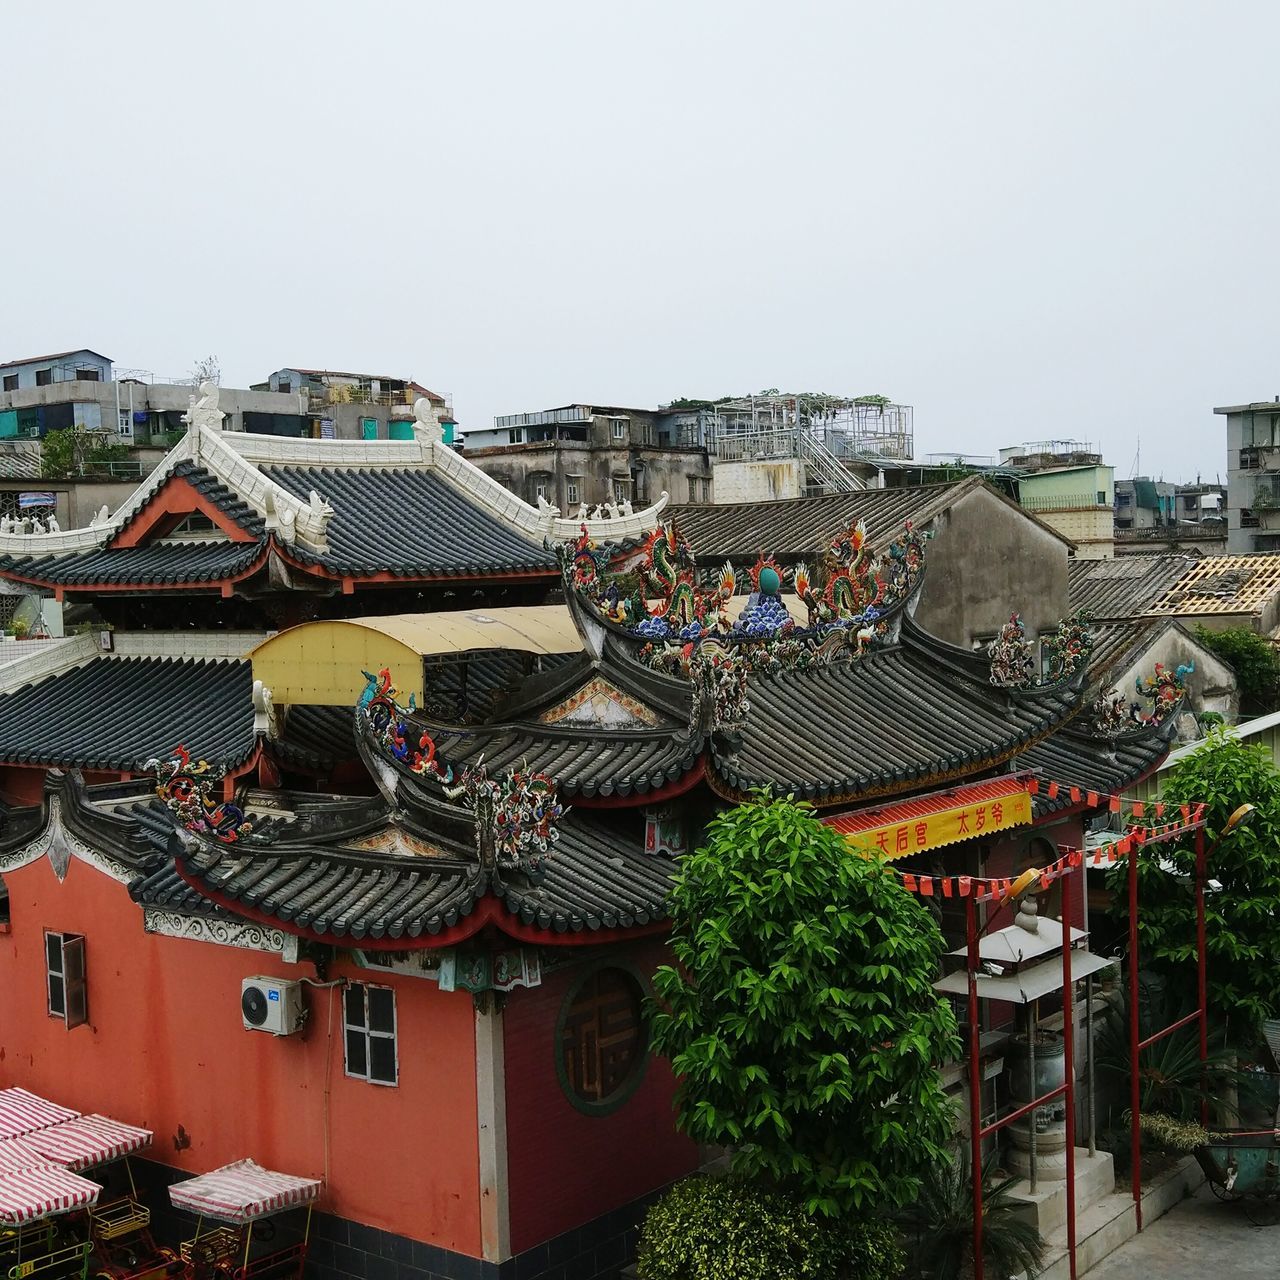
x=1165, y=690
x=186, y=787
x=515, y=814
x=389, y=726
x=1066, y=653
x=653, y=595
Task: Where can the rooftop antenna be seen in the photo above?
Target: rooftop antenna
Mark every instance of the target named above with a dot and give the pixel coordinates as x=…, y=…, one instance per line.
x=1137, y=459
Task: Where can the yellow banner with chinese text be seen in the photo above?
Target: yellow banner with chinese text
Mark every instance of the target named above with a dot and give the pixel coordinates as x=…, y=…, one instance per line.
x=949, y=826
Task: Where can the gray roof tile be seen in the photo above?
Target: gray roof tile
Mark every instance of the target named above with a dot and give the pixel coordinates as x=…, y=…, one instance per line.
x=116, y=713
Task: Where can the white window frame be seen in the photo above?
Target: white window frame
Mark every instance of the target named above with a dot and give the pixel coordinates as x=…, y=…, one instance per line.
x=573, y=490
x=363, y=1029
x=619, y=429
x=70, y=975
x=621, y=489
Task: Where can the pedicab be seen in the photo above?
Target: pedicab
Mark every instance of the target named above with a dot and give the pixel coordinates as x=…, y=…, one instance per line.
x=252, y=1206
x=120, y=1229
x=44, y=1228
x=1244, y=1164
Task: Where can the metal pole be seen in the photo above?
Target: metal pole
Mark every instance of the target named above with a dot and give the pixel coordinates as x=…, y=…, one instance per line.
x=1033, y=1021
x=1069, y=1061
x=1135, y=1135
x=975, y=1084
x=1201, y=975
x=1088, y=1066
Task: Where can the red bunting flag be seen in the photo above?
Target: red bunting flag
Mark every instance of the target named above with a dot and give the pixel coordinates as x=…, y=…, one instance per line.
x=1092, y=799
x=946, y=887
x=1159, y=808
x=965, y=884
x=926, y=886
x=908, y=882
x=1113, y=804
x=1139, y=809
x=1033, y=786
x=1075, y=795
x=1053, y=791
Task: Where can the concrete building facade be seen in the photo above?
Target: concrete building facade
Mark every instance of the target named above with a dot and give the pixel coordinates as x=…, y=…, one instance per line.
x=1078, y=501
x=590, y=454
x=1253, y=476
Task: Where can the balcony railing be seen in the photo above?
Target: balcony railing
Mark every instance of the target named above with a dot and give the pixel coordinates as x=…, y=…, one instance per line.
x=1064, y=502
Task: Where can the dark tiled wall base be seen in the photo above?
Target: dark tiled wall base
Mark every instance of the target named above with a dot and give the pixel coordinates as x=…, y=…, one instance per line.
x=343, y=1250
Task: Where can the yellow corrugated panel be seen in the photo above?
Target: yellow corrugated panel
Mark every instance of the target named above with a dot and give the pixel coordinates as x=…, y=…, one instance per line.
x=321, y=662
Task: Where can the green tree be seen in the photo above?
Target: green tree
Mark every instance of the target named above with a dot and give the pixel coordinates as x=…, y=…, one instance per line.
x=1242, y=919
x=800, y=1015
x=1253, y=658
x=70, y=452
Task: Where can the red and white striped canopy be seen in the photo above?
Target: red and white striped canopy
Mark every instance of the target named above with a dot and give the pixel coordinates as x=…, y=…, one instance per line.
x=26, y=1195
x=18, y=1153
x=242, y=1191
x=22, y=1112
x=87, y=1141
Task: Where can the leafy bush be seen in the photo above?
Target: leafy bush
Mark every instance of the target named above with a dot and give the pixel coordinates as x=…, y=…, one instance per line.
x=1242, y=923
x=1253, y=658
x=724, y=1229
x=801, y=1016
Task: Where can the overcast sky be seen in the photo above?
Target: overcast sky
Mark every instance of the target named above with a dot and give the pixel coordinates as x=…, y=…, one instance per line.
x=1029, y=221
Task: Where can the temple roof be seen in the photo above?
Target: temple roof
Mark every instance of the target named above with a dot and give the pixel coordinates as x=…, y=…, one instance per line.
x=1074, y=757
x=800, y=528
x=902, y=719
x=407, y=521
x=390, y=510
x=1126, y=586
x=350, y=870
x=598, y=878
x=118, y=712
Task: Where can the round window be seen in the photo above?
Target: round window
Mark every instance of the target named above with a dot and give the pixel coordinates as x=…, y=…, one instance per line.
x=602, y=1040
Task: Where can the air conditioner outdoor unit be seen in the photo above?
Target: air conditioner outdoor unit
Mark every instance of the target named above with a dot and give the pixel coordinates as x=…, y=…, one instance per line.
x=274, y=1005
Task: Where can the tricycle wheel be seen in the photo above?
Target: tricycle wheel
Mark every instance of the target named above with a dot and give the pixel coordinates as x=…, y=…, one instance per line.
x=1263, y=1211
x=1222, y=1193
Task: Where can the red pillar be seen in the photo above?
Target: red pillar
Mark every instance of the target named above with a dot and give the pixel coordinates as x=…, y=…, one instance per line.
x=975, y=1082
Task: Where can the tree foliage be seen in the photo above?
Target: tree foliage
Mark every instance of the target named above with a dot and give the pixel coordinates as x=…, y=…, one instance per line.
x=71, y=452
x=1242, y=919
x=1253, y=659
x=800, y=1015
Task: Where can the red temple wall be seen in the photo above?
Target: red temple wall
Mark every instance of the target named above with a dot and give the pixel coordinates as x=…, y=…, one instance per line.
x=565, y=1168
x=165, y=1048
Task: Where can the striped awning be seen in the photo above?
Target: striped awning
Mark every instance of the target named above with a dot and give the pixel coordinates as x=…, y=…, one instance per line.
x=22, y=1112
x=242, y=1191
x=88, y=1141
x=27, y=1195
x=18, y=1153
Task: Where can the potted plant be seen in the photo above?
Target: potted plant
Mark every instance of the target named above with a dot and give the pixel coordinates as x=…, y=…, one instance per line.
x=1109, y=978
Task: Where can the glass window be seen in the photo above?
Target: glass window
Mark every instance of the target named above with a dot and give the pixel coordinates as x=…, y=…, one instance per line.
x=44, y=377
x=621, y=490
x=11, y=382
x=369, y=1018
x=602, y=1041
x=573, y=490
x=88, y=375
x=65, y=977
x=619, y=428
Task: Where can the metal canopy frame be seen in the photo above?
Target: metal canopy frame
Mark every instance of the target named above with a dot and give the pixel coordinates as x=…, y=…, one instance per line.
x=971, y=979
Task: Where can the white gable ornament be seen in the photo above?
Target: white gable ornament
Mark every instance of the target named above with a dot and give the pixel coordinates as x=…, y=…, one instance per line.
x=426, y=425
